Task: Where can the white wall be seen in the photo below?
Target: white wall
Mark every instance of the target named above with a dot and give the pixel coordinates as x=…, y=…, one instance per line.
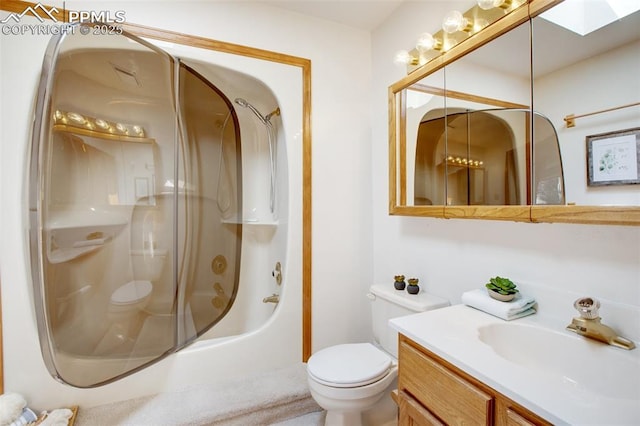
x=342, y=238
x=452, y=256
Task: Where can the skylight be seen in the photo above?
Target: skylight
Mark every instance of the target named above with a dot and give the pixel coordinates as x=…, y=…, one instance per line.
x=585, y=16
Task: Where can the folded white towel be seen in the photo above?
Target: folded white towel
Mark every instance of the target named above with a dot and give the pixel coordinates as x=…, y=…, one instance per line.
x=519, y=307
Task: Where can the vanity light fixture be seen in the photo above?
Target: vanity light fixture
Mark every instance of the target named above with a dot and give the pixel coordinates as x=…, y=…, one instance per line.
x=465, y=162
x=456, y=27
x=455, y=21
x=91, y=126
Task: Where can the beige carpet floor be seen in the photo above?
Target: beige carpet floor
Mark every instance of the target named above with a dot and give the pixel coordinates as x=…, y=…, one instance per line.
x=279, y=397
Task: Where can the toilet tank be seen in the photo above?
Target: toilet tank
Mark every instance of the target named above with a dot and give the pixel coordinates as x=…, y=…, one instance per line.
x=148, y=264
x=388, y=303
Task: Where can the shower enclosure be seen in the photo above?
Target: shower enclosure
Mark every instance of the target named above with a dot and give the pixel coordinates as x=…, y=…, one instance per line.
x=137, y=182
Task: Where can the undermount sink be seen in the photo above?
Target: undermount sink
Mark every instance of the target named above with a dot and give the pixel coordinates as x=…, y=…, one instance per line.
x=580, y=363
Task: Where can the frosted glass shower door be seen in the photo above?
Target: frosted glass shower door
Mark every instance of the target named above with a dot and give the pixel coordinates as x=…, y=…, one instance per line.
x=209, y=184
x=135, y=159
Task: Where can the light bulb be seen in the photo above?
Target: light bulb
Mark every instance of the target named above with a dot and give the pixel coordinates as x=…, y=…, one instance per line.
x=74, y=116
x=403, y=58
x=139, y=130
x=454, y=21
x=427, y=42
x=102, y=124
x=121, y=128
x=487, y=4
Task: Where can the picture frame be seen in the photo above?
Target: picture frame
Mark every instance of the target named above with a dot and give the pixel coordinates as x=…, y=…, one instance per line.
x=613, y=158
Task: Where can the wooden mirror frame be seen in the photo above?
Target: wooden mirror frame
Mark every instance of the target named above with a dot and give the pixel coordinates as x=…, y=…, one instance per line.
x=602, y=215
x=205, y=43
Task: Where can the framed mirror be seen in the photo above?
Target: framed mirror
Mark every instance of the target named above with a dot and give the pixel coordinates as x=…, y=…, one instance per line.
x=463, y=89
x=590, y=74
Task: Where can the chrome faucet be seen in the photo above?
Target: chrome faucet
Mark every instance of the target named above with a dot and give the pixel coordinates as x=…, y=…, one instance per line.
x=589, y=325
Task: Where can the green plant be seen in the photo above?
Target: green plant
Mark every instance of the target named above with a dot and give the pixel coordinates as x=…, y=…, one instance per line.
x=502, y=285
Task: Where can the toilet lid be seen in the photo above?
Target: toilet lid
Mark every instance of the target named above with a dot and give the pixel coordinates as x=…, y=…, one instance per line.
x=131, y=292
x=349, y=365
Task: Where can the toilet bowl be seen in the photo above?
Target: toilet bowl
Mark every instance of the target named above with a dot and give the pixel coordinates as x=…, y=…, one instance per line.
x=348, y=379
x=133, y=296
x=125, y=315
x=129, y=299
x=126, y=310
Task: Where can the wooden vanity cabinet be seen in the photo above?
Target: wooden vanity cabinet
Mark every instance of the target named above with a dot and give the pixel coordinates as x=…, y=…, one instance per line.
x=432, y=391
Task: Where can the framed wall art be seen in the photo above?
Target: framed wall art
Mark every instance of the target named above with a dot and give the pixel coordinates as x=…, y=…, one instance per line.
x=613, y=158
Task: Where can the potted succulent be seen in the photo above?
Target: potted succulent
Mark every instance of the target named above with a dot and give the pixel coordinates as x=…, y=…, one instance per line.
x=399, y=283
x=502, y=289
x=412, y=287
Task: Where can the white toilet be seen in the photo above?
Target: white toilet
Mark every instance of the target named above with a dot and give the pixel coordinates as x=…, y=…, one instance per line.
x=348, y=379
x=128, y=300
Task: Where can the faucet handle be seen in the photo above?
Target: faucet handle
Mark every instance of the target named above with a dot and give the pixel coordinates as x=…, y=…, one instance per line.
x=587, y=307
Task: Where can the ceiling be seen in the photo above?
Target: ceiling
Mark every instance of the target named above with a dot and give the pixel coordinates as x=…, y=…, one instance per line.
x=363, y=14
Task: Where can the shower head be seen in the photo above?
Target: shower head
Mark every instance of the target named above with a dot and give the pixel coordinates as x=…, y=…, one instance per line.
x=243, y=103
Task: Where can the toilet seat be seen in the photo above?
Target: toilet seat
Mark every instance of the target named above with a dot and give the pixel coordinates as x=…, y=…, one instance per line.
x=131, y=292
x=349, y=365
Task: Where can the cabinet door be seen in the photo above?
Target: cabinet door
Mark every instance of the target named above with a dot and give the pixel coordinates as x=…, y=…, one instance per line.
x=515, y=419
x=520, y=416
x=413, y=414
x=449, y=396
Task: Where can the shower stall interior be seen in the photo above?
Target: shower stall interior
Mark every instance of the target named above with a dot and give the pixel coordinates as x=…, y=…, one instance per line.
x=144, y=172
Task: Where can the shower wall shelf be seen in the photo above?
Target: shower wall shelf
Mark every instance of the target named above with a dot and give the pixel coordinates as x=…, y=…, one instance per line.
x=61, y=255
x=76, y=233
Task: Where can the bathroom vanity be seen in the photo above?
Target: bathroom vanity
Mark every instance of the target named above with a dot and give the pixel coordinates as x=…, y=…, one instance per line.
x=429, y=386
x=458, y=365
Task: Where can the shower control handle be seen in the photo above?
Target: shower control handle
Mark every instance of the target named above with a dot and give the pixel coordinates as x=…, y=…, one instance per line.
x=277, y=273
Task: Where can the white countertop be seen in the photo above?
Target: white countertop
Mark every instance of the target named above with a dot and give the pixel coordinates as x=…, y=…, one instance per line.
x=452, y=333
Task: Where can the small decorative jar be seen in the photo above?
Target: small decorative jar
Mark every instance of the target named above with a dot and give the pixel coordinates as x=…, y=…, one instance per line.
x=413, y=287
x=399, y=283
